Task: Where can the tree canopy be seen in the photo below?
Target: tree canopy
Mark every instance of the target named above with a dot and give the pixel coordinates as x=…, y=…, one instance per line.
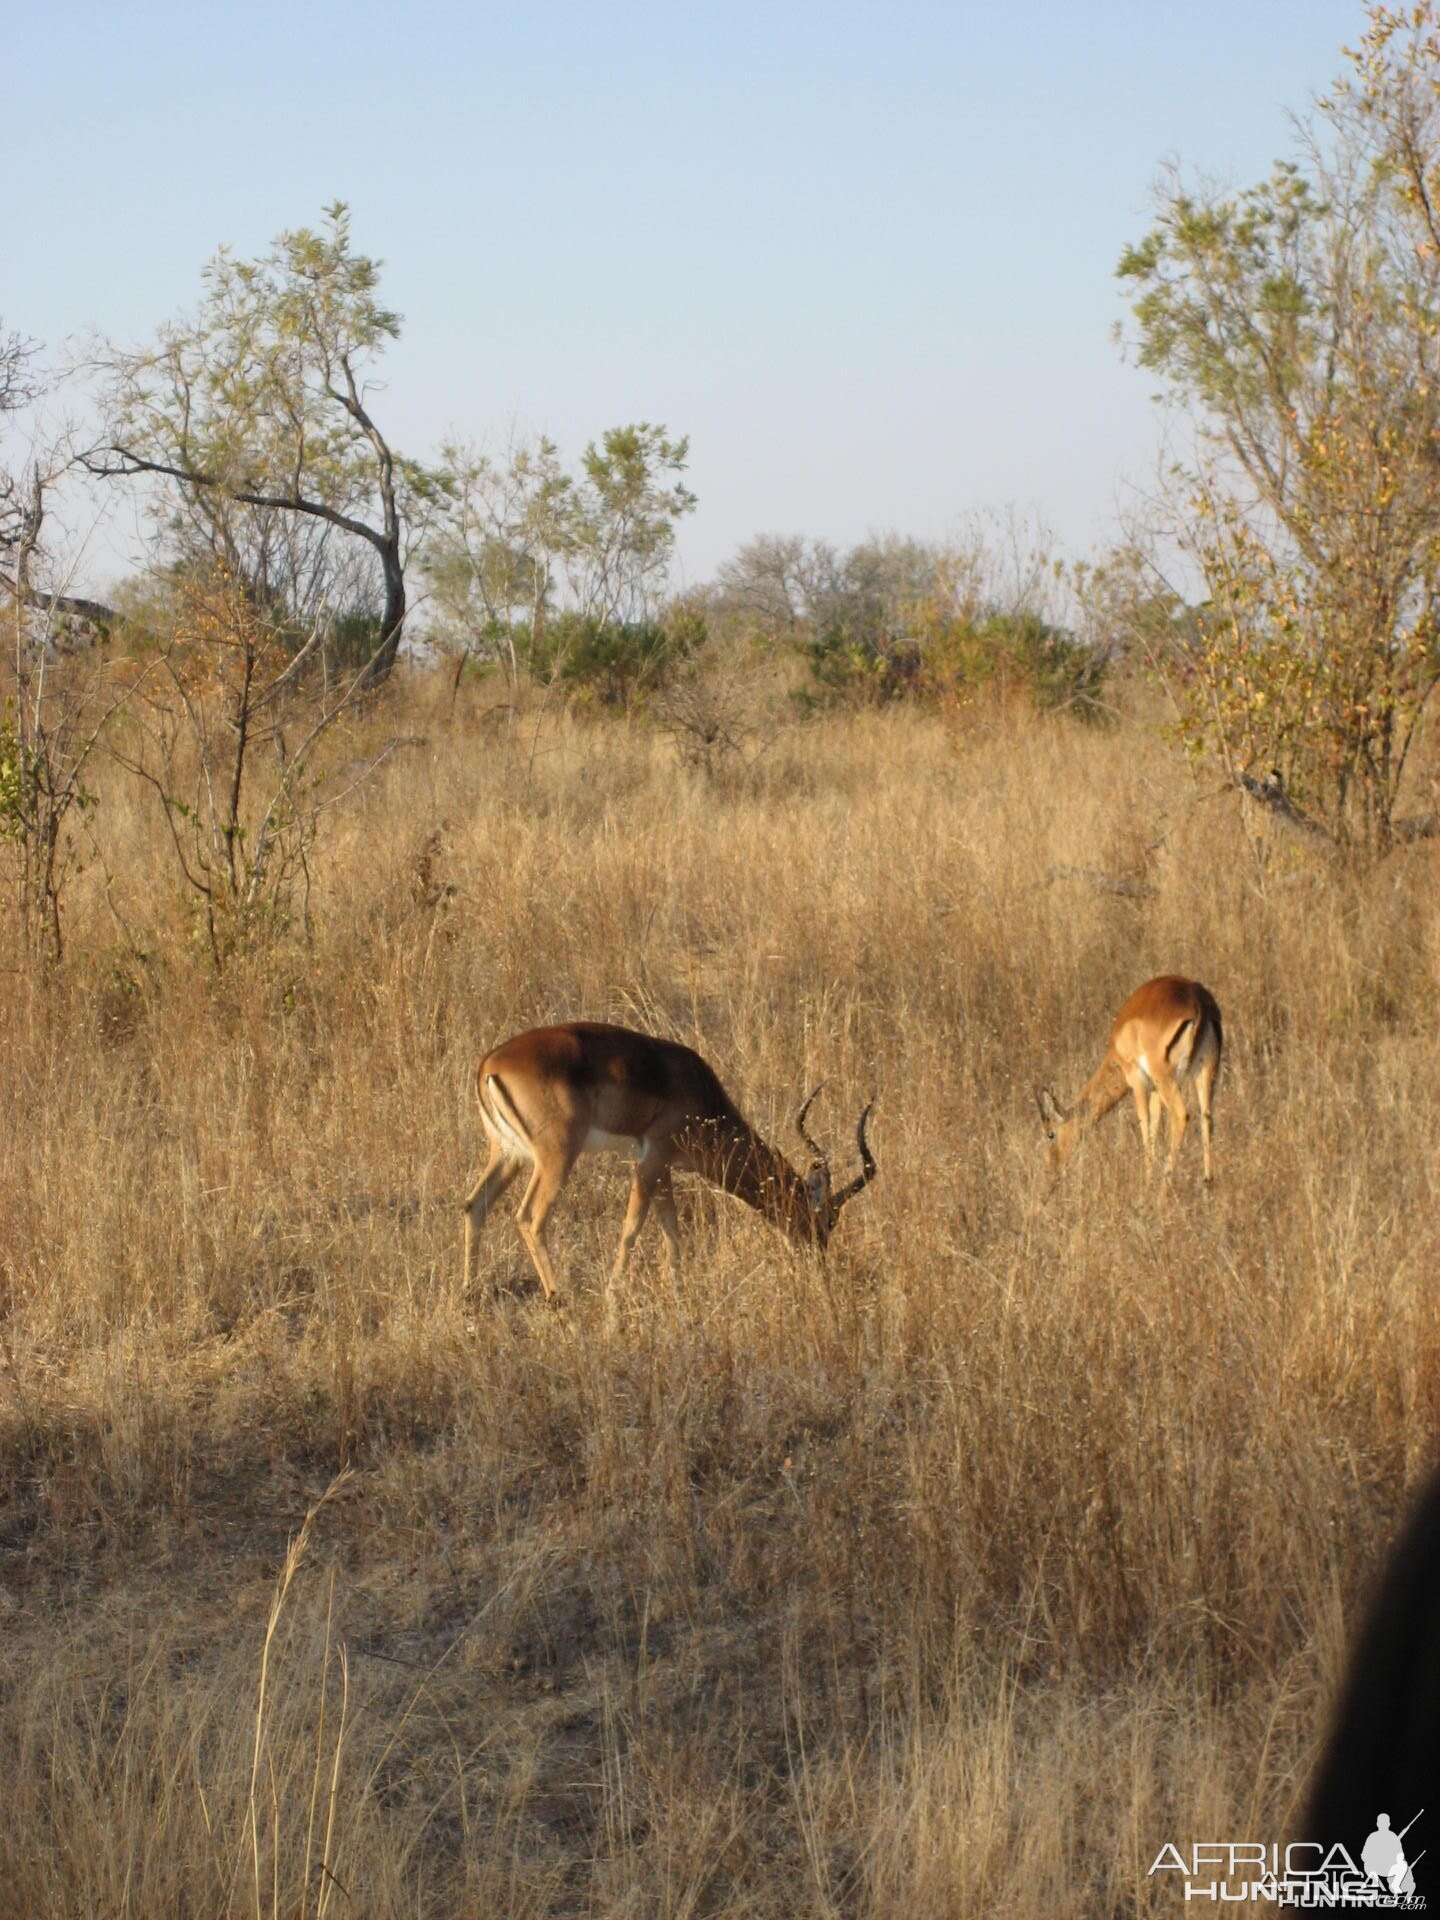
x=1296, y=324
x=263, y=400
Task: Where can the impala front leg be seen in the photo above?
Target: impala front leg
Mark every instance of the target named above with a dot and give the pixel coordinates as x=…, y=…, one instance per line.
x=669, y=1221
x=651, y=1182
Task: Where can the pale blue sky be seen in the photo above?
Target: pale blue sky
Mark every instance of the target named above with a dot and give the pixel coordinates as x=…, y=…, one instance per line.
x=863, y=255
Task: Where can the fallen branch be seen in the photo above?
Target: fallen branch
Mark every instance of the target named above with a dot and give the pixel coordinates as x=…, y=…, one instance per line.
x=1270, y=794
x=73, y=606
x=1424, y=826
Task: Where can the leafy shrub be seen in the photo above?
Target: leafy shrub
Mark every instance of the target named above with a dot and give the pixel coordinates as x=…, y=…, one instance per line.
x=353, y=640
x=954, y=658
x=872, y=665
x=613, y=663
x=1019, y=652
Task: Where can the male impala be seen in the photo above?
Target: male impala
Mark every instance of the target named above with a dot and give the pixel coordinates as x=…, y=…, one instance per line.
x=549, y=1095
x=1166, y=1036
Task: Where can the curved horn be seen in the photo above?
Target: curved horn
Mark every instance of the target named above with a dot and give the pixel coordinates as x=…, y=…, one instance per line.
x=867, y=1164
x=800, y=1127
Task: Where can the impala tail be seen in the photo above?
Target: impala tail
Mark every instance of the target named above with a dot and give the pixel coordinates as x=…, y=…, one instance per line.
x=502, y=1122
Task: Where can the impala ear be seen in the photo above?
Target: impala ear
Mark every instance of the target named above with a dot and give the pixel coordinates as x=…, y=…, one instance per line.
x=1050, y=1114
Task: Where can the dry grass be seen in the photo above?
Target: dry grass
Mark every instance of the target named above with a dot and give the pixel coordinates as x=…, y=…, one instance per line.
x=953, y=1576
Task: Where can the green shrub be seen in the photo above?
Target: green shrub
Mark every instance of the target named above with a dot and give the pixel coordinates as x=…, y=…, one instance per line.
x=947, y=658
x=856, y=661
x=1020, y=653
x=353, y=640
x=614, y=663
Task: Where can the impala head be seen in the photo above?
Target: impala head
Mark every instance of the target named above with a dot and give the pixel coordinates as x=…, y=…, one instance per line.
x=825, y=1202
x=1057, y=1132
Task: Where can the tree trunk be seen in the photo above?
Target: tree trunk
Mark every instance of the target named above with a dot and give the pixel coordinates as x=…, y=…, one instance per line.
x=392, y=628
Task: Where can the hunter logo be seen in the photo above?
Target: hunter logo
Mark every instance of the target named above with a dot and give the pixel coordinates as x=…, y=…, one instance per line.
x=1383, y=1857
x=1301, y=1874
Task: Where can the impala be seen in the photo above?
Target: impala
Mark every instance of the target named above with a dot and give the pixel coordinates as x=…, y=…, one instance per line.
x=1167, y=1036
x=549, y=1095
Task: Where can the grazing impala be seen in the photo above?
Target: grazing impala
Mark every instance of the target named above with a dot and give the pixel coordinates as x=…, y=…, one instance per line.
x=1166, y=1036
x=552, y=1094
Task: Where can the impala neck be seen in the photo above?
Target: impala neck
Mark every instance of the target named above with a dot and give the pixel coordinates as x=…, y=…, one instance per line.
x=733, y=1156
x=1105, y=1089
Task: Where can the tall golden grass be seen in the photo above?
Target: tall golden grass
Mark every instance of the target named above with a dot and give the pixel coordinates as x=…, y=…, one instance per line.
x=955, y=1574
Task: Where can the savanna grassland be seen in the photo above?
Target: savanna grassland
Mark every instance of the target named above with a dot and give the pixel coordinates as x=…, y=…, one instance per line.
x=954, y=1575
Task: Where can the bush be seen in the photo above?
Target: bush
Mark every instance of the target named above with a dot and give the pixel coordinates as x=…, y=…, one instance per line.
x=353, y=640
x=614, y=663
x=949, y=658
x=1019, y=652
x=870, y=665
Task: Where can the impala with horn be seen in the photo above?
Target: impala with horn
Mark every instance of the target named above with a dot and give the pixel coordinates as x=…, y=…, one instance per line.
x=549, y=1095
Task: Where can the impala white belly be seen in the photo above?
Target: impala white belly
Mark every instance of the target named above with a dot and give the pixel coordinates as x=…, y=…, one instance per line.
x=598, y=1141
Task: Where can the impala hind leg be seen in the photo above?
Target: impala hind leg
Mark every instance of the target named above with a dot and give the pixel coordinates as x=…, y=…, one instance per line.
x=1204, y=1087
x=533, y=1214
x=1179, y=1120
x=1140, y=1087
x=498, y=1174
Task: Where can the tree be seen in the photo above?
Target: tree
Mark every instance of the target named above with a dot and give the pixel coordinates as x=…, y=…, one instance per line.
x=493, y=562
x=563, y=574
x=766, y=591
x=262, y=401
x=850, y=612
x=58, y=702
x=19, y=386
x=894, y=617
x=1297, y=325
x=626, y=506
